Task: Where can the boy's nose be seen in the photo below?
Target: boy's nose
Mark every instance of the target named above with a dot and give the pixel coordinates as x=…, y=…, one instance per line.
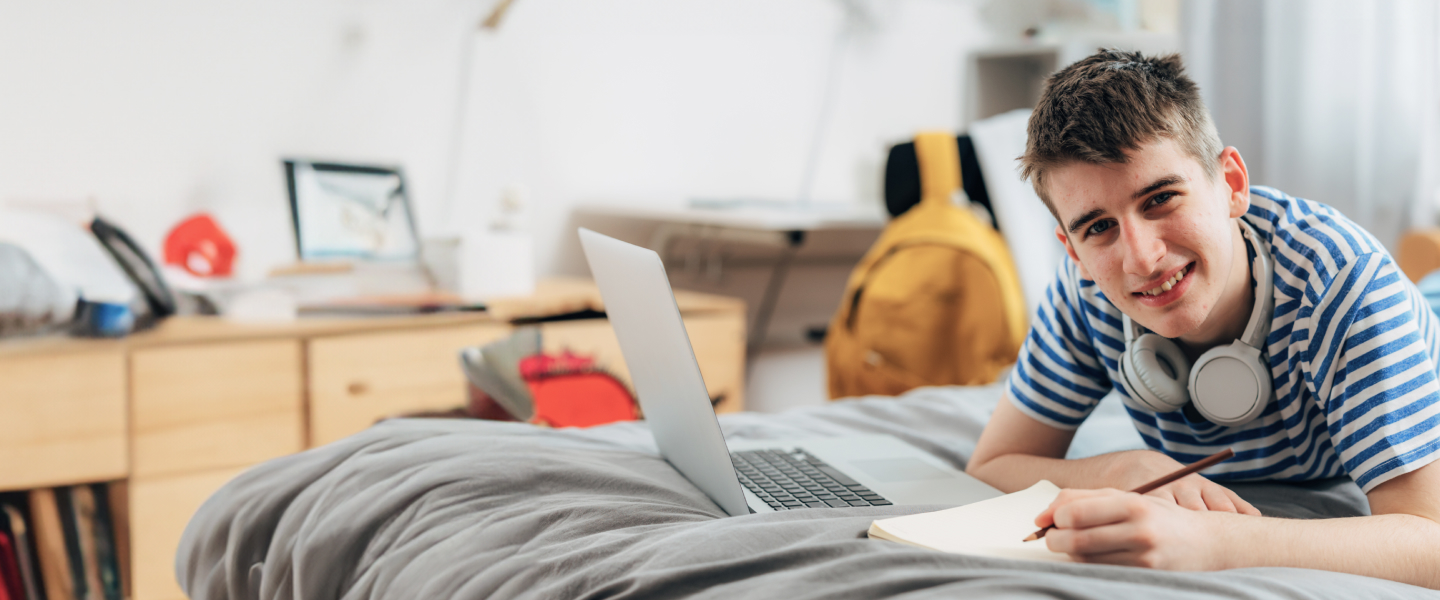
x=1143, y=249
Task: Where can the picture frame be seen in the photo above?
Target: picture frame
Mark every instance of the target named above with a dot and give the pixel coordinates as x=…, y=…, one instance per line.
x=351, y=212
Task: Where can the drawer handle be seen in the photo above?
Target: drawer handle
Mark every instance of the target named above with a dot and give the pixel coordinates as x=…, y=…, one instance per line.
x=357, y=388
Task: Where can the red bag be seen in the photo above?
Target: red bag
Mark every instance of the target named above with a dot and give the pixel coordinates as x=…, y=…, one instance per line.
x=570, y=391
x=514, y=380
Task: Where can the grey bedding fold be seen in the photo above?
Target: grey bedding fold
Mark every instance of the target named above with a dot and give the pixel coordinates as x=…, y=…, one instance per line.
x=475, y=509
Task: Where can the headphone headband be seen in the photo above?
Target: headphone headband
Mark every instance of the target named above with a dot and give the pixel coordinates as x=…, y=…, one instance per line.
x=1259, y=326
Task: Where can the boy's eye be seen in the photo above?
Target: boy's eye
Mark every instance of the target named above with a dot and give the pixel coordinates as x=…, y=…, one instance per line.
x=1098, y=227
x=1161, y=198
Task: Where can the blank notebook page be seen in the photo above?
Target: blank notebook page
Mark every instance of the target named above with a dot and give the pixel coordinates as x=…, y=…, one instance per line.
x=993, y=527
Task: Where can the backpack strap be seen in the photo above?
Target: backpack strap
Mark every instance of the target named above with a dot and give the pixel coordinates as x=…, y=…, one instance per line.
x=939, y=159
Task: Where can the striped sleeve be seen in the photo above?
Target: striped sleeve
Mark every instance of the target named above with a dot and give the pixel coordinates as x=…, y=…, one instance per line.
x=1372, y=368
x=1059, y=378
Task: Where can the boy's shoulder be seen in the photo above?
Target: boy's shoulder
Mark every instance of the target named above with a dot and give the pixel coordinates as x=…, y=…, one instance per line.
x=1311, y=242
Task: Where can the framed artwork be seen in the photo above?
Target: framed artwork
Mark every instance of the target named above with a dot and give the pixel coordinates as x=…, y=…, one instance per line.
x=347, y=211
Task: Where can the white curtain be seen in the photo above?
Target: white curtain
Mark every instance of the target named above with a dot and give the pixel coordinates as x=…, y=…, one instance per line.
x=1331, y=100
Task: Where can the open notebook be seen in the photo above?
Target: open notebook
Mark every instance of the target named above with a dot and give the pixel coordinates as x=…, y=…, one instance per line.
x=993, y=527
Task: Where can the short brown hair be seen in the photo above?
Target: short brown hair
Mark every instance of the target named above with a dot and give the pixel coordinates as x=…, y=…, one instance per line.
x=1112, y=101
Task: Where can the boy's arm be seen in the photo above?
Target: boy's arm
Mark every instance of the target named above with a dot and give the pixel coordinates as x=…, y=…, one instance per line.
x=1015, y=451
x=1400, y=542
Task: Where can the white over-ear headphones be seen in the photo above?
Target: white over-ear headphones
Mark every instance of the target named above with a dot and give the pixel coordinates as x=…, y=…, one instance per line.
x=1229, y=385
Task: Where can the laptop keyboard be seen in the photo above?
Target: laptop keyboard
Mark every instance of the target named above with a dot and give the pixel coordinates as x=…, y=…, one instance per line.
x=796, y=479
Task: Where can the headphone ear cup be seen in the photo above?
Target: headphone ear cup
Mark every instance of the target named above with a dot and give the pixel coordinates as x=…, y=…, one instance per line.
x=1230, y=385
x=1156, y=372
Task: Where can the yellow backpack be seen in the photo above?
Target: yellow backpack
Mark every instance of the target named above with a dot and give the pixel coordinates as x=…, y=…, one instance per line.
x=936, y=300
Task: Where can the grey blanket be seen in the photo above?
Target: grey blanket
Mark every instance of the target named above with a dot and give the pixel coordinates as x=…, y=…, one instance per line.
x=467, y=509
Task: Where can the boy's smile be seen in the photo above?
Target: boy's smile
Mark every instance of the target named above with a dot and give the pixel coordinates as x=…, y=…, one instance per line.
x=1167, y=291
x=1158, y=235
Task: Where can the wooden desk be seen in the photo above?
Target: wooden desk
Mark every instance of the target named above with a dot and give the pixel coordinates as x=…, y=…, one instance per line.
x=783, y=227
x=178, y=411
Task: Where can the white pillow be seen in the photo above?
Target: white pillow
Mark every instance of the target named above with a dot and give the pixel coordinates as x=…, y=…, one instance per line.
x=1028, y=227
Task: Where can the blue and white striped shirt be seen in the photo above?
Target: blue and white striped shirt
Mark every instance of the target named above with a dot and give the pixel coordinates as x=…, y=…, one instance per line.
x=1352, y=348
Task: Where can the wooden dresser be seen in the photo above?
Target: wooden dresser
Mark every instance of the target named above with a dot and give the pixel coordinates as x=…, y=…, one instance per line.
x=174, y=413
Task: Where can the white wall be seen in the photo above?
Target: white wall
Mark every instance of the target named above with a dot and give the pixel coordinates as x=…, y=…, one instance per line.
x=654, y=101
x=158, y=108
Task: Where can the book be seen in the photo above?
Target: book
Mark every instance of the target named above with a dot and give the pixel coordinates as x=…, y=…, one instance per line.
x=994, y=527
x=50, y=545
x=9, y=570
x=75, y=556
x=82, y=502
x=105, y=555
x=118, y=493
x=24, y=550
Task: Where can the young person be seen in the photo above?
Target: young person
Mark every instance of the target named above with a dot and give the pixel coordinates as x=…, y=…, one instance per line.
x=1171, y=254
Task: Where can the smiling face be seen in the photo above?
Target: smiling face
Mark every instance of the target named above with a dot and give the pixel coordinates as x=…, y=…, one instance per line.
x=1160, y=238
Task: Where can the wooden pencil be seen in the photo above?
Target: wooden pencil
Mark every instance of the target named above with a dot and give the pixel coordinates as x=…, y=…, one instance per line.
x=1200, y=465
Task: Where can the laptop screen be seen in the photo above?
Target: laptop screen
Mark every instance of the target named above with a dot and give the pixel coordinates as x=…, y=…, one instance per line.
x=647, y=322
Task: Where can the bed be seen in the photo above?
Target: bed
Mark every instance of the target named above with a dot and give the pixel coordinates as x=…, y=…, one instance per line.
x=438, y=508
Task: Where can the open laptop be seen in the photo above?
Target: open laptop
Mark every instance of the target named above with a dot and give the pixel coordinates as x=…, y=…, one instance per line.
x=751, y=476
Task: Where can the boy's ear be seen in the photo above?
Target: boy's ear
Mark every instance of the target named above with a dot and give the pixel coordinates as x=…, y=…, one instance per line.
x=1237, y=180
x=1065, y=239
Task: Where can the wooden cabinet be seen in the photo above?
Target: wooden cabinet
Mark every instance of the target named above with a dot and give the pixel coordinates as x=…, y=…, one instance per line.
x=206, y=406
x=173, y=414
x=159, y=510
x=357, y=379
x=63, y=407
x=200, y=414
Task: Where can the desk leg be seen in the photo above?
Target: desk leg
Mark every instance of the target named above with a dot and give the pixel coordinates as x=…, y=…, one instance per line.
x=794, y=239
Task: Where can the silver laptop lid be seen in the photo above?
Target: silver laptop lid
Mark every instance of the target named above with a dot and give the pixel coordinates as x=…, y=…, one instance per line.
x=642, y=309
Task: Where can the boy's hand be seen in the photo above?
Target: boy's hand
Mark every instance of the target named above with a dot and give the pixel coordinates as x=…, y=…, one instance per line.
x=1193, y=491
x=1123, y=528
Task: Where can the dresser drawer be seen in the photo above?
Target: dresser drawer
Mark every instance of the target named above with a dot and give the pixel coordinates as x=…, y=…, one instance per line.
x=206, y=406
x=159, y=510
x=357, y=379
x=63, y=416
